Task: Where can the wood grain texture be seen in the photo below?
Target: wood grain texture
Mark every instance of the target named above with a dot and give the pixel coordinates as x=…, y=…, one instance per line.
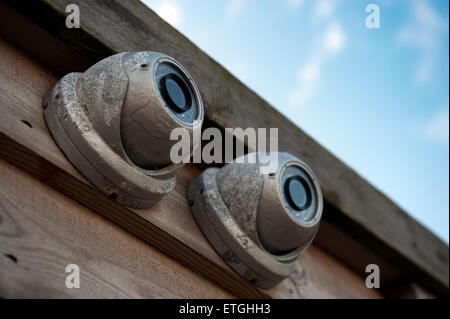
x=123, y=25
x=42, y=231
x=169, y=226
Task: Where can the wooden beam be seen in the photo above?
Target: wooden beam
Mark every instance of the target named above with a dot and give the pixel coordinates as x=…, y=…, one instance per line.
x=42, y=232
x=118, y=25
x=169, y=226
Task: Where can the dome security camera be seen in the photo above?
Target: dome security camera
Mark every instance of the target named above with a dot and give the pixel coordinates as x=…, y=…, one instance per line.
x=259, y=222
x=113, y=123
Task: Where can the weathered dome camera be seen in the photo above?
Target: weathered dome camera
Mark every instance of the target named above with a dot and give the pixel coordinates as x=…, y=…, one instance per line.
x=258, y=221
x=113, y=122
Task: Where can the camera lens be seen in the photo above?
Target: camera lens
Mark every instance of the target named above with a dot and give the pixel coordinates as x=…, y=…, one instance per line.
x=297, y=192
x=175, y=93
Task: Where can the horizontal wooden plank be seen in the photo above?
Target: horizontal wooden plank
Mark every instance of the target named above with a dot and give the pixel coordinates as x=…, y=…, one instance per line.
x=114, y=26
x=169, y=226
x=42, y=231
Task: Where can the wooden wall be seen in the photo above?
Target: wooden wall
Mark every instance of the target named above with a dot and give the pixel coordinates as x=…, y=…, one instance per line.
x=45, y=230
x=360, y=224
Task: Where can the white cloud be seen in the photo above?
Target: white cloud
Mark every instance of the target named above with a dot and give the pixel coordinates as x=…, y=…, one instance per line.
x=308, y=79
x=436, y=129
x=234, y=8
x=334, y=39
x=424, y=33
x=427, y=16
x=332, y=42
x=295, y=4
x=324, y=9
x=310, y=72
x=171, y=12
x=424, y=69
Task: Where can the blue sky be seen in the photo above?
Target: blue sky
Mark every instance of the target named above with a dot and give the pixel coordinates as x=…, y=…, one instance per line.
x=376, y=98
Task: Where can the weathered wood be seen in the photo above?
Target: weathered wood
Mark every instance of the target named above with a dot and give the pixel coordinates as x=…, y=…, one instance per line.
x=42, y=231
x=114, y=26
x=169, y=226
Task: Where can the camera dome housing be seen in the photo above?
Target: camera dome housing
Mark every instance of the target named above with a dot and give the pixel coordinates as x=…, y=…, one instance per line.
x=259, y=221
x=113, y=122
